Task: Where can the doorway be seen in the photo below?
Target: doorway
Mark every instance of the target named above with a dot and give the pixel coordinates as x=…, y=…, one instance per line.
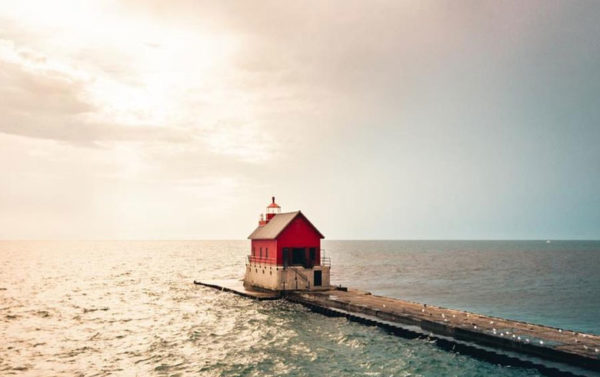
x=286, y=256
x=312, y=256
x=318, y=279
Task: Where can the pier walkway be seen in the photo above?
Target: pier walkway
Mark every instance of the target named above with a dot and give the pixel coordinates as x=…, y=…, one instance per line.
x=237, y=287
x=470, y=333
x=542, y=341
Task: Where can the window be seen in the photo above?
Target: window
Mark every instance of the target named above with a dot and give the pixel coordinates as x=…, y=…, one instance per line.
x=253, y=251
x=260, y=253
x=299, y=256
x=267, y=253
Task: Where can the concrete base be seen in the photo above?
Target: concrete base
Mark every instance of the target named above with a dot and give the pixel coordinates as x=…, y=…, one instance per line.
x=292, y=278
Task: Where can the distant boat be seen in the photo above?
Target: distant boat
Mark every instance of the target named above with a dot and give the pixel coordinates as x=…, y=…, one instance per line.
x=548, y=241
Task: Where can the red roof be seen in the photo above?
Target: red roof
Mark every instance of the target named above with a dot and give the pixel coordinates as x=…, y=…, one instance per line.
x=277, y=224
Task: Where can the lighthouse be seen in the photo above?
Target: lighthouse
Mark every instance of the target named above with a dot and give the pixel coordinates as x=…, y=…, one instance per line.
x=285, y=253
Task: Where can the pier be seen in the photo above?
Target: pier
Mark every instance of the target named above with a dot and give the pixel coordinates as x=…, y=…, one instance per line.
x=286, y=261
x=237, y=287
x=553, y=351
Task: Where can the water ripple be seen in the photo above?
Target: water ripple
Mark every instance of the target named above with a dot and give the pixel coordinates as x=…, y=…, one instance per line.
x=129, y=308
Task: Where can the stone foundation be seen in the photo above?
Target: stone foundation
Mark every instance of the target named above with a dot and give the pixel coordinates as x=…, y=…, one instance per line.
x=278, y=278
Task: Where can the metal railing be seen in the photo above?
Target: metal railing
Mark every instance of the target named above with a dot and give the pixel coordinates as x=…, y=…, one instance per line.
x=325, y=260
x=260, y=260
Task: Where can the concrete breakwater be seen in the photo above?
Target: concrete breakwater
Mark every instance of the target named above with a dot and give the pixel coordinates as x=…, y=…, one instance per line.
x=554, y=352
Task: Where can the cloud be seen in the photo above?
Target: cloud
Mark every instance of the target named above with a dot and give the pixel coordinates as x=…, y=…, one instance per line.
x=422, y=108
x=30, y=81
x=48, y=99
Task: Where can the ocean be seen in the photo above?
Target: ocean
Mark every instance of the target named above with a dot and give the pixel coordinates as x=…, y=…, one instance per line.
x=129, y=308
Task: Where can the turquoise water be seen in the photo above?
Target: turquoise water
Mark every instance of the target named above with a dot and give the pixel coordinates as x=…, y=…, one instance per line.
x=556, y=284
x=130, y=308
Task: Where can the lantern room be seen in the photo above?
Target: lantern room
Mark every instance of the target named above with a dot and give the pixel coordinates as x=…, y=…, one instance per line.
x=273, y=209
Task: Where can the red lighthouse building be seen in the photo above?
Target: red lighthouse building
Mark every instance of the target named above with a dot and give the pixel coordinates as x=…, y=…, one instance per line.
x=286, y=253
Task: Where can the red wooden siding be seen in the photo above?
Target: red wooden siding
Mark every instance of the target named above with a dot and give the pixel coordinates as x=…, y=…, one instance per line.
x=298, y=233
x=271, y=245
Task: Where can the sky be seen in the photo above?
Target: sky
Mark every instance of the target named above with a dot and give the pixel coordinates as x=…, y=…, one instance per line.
x=140, y=119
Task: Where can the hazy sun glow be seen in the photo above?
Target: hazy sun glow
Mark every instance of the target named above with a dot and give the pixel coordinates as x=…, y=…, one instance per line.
x=152, y=119
x=168, y=69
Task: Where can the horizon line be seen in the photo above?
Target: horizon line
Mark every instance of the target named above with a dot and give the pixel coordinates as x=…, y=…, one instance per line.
x=338, y=239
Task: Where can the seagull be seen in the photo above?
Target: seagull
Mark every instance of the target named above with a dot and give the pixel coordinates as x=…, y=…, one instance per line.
x=541, y=342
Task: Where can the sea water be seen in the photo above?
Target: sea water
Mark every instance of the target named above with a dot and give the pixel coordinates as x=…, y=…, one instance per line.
x=129, y=307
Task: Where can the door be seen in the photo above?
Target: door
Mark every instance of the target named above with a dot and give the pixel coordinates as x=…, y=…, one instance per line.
x=318, y=279
x=286, y=256
x=312, y=257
